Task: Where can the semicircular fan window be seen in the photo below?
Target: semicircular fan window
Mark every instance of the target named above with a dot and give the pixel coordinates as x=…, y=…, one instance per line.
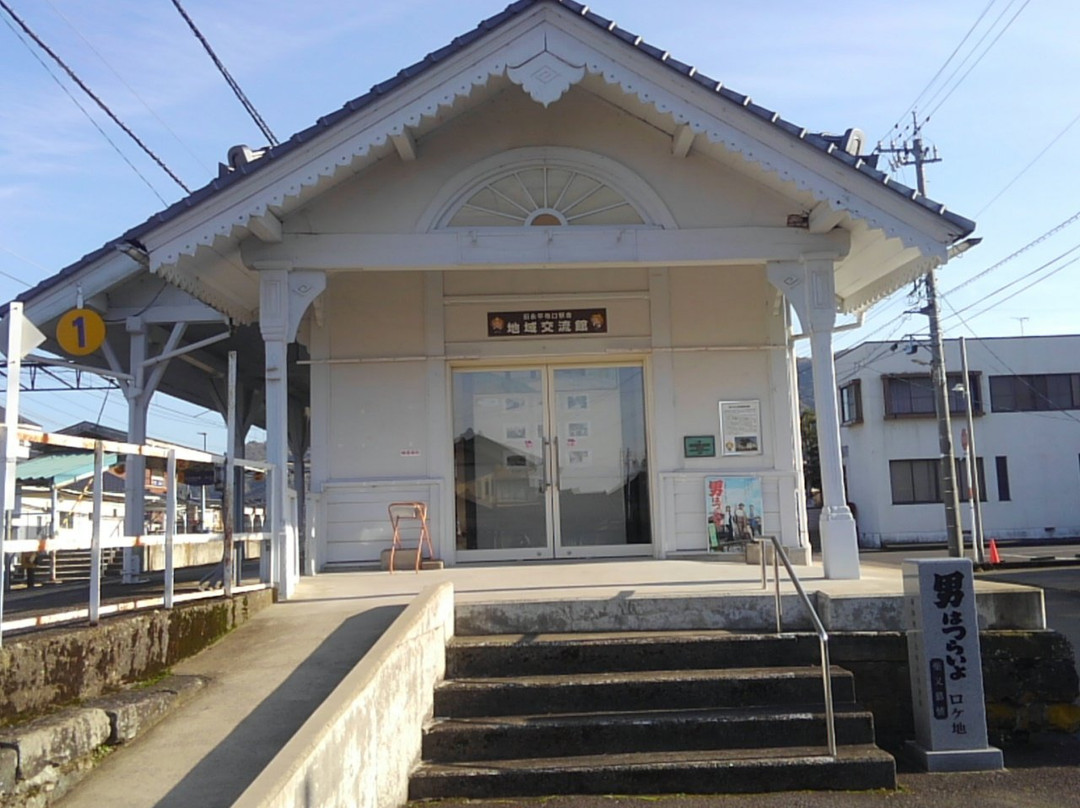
x=544, y=196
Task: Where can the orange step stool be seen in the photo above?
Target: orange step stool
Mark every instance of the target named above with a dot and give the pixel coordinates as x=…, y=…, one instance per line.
x=410, y=510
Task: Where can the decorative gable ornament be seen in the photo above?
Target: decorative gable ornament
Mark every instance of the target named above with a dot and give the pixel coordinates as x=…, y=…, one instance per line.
x=546, y=77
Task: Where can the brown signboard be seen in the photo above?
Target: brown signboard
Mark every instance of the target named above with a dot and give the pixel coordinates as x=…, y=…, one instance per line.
x=547, y=323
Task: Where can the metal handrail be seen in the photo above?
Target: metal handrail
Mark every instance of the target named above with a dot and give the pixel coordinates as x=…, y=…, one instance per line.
x=779, y=554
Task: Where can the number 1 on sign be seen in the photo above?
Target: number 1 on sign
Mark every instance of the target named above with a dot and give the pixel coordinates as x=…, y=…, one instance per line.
x=80, y=332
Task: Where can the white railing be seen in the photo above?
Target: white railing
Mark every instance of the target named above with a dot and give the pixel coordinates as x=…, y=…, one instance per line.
x=169, y=539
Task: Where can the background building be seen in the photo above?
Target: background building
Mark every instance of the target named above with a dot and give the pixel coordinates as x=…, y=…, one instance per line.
x=1026, y=401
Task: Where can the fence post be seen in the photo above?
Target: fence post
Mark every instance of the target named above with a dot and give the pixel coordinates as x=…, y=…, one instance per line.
x=170, y=527
x=228, y=518
x=95, y=535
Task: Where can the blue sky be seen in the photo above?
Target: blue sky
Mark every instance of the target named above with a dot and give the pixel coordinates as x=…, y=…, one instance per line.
x=64, y=191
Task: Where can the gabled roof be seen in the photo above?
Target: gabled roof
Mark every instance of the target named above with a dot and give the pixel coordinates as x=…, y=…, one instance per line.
x=234, y=175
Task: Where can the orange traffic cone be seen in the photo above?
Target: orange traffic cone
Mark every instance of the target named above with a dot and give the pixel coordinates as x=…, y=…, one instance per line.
x=995, y=557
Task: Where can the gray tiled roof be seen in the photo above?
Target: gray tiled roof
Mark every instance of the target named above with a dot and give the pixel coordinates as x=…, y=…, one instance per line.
x=820, y=141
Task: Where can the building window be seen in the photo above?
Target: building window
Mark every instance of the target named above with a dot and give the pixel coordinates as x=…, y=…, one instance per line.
x=918, y=482
x=912, y=395
x=914, y=482
x=1002, y=463
x=1035, y=392
x=851, y=403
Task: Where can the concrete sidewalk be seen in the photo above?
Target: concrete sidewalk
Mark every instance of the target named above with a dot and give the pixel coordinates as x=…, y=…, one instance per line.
x=269, y=675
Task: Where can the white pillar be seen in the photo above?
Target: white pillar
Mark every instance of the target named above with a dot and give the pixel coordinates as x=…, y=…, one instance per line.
x=810, y=287
x=283, y=298
x=135, y=465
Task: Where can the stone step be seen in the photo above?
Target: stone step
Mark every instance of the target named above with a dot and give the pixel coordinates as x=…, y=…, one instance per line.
x=524, y=655
x=860, y=767
x=652, y=690
x=489, y=738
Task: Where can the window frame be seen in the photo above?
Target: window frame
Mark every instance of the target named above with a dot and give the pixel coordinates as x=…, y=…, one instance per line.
x=854, y=388
x=957, y=405
x=1031, y=392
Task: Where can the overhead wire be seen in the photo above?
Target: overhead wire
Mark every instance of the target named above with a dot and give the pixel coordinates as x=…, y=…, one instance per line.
x=84, y=111
x=945, y=64
x=130, y=89
x=239, y=93
x=1012, y=283
x=93, y=96
x=982, y=56
x=984, y=344
x=1027, y=168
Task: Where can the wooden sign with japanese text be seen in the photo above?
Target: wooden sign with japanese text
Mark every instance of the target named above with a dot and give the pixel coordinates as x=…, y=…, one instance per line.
x=547, y=323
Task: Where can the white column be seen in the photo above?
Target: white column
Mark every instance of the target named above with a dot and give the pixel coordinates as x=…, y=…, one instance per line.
x=135, y=465
x=810, y=287
x=283, y=298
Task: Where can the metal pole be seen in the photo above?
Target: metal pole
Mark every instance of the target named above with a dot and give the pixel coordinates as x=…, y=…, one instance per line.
x=54, y=529
x=973, y=473
x=170, y=527
x=227, y=517
x=95, y=535
x=202, y=494
x=10, y=443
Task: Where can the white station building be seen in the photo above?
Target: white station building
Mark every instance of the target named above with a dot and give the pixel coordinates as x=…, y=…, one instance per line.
x=1025, y=395
x=547, y=281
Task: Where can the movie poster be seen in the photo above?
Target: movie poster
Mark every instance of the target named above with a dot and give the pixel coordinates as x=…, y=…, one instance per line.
x=733, y=512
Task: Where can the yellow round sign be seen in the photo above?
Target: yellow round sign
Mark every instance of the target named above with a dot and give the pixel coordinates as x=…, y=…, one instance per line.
x=80, y=332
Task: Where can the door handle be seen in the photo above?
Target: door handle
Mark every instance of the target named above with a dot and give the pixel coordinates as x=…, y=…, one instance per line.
x=555, y=462
x=545, y=480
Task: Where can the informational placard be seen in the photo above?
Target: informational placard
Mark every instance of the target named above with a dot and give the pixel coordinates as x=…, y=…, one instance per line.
x=946, y=667
x=740, y=427
x=699, y=446
x=547, y=323
x=733, y=512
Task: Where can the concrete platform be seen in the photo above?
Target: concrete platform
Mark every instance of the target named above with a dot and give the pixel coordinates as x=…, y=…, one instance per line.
x=269, y=675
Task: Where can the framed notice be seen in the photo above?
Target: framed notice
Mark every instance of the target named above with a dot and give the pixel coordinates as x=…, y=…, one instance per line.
x=740, y=427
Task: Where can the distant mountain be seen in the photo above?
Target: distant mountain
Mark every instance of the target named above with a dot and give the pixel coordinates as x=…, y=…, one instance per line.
x=805, y=372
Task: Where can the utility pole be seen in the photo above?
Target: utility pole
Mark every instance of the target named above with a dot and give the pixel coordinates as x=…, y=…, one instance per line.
x=918, y=155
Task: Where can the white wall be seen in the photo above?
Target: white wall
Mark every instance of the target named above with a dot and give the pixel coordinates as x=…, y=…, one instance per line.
x=1042, y=448
x=383, y=343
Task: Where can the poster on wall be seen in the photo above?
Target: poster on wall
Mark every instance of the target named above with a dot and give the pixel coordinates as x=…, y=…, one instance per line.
x=733, y=512
x=740, y=427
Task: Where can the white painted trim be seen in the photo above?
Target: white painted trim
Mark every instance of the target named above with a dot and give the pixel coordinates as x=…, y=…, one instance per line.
x=541, y=247
x=332, y=153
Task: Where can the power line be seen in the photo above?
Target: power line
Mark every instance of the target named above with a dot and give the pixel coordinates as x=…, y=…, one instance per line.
x=84, y=111
x=131, y=89
x=981, y=56
x=1026, y=168
x=254, y=113
x=1001, y=289
x=941, y=70
x=985, y=346
x=1048, y=234
x=101, y=104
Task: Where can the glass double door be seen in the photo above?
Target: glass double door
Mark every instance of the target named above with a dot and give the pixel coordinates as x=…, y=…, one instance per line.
x=550, y=461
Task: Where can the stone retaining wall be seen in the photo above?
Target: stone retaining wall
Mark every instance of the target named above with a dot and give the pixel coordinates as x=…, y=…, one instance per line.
x=45, y=669
x=1029, y=677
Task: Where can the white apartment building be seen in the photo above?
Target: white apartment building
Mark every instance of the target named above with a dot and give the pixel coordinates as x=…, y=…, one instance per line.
x=1026, y=402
